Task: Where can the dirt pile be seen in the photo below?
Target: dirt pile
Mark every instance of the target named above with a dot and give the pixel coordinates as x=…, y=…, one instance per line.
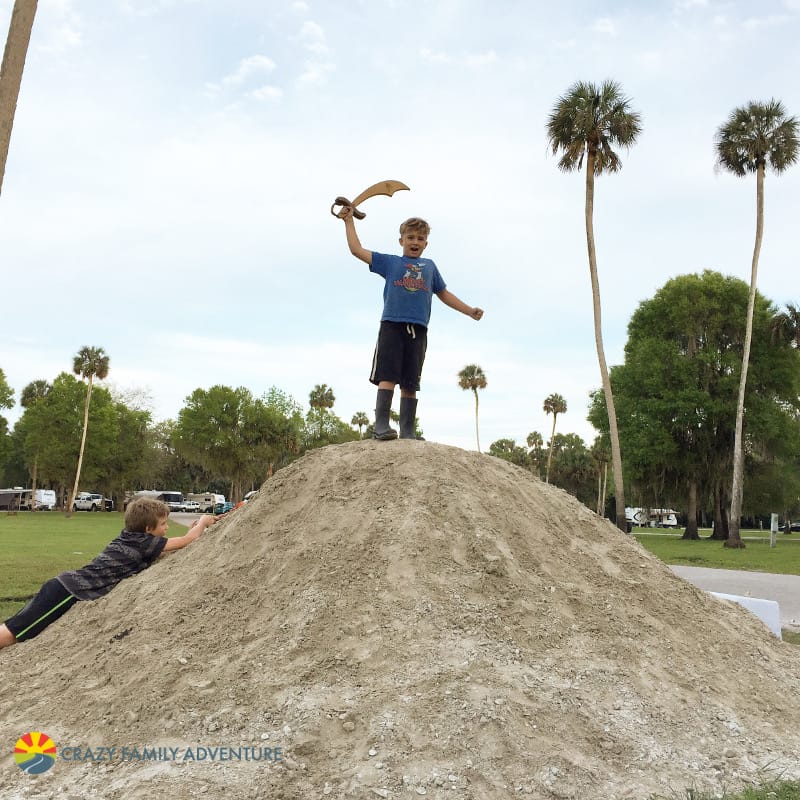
x=404, y=619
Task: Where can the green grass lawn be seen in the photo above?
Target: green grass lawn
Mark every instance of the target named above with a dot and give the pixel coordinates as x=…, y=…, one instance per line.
x=779, y=790
x=36, y=547
x=757, y=556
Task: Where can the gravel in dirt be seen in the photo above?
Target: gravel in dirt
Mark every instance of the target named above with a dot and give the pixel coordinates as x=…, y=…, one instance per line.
x=403, y=619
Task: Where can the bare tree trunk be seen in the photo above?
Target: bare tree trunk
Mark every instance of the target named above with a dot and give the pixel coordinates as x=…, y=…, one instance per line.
x=599, y=487
x=691, y=531
x=477, y=438
x=16, y=50
x=33, y=481
x=605, y=490
x=550, y=450
x=83, y=445
x=737, y=489
x=616, y=453
x=602, y=484
x=721, y=528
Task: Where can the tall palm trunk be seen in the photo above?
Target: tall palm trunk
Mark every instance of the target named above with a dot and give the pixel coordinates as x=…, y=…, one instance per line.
x=737, y=491
x=616, y=454
x=477, y=437
x=602, y=479
x=550, y=450
x=33, y=480
x=19, y=36
x=83, y=445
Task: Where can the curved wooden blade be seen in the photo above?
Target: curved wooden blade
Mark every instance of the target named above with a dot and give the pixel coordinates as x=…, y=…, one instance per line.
x=384, y=187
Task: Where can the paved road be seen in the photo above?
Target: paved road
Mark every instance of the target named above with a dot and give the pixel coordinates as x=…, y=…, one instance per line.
x=784, y=589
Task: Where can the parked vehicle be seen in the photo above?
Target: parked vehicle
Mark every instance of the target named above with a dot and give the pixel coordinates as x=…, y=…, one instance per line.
x=191, y=506
x=10, y=498
x=89, y=501
x=208, y=501
x=652, y=517
x=45, y=500
x=173, y=499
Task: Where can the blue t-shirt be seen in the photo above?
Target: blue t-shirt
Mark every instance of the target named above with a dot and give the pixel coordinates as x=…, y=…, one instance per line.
x=409, y=289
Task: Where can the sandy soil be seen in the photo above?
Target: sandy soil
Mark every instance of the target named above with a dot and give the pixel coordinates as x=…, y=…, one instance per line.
x=405, y=619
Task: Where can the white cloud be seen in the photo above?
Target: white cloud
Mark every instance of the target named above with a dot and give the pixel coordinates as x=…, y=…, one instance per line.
x=253, y=65
x=481, y=59
x=313, y=40
x=770, y=21
x=470, y=60
x=606, y=26
x=267, y=93
x=62, y=38
x=426, y=54
x=312, y=37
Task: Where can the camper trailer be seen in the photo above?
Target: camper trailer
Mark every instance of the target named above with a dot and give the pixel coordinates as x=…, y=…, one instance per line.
x=45, y=500
x=652, y=517
x=209, y=503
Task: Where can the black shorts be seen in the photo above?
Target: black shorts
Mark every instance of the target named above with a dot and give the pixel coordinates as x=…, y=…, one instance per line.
x=400, y=354
x=51, y=602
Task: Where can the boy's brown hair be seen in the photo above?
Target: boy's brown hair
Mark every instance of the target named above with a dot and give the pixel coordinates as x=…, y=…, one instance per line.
x=143, y=513
x=415, y=224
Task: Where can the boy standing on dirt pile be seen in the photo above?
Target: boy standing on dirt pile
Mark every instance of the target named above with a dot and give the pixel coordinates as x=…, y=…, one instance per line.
x=136, y=548
x=403, y=337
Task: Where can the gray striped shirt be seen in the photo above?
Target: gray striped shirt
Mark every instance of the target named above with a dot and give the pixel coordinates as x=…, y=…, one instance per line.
x=129, y=553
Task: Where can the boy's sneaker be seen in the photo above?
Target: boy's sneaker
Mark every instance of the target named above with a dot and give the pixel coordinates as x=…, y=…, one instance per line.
x=386, y=435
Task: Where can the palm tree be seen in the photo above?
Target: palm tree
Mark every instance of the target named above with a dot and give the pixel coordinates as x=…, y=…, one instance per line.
x=89, y=363
x=472, y=377
x=555, y=404
x=589, y=121
x=32, y=394
x=321, y=396
x=753, y=136
x=360, y=420
x=535, y=442
x=785, y=326
x=16, y=50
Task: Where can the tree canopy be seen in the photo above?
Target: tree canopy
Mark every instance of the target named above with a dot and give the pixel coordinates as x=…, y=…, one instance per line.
x=676, y=391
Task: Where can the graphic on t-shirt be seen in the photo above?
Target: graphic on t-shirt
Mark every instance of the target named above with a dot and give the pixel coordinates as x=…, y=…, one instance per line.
x=413, y=280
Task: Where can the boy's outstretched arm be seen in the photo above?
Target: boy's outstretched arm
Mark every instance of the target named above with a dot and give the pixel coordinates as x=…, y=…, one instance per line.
x=449, y=299
x=195, y=532
x=353, y=242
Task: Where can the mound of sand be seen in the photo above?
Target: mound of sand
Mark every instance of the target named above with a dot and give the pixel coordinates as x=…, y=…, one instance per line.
x=405, y=619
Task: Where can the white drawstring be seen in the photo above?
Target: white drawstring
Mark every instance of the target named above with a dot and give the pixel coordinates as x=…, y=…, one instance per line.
x=411, y=331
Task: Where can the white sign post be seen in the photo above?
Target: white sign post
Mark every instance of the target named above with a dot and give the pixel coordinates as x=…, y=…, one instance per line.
x=773, y=529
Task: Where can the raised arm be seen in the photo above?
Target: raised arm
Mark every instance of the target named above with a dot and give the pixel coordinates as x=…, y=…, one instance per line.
x=449, y=299
x=195, y=532
x=353, y=242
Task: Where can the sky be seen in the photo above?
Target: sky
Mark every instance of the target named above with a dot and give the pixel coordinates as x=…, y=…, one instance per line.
x=173, y=162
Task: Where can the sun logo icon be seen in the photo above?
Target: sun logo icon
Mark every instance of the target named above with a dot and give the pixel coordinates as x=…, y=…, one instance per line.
x=35, y=753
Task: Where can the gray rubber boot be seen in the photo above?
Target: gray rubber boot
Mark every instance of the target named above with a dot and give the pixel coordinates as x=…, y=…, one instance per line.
x=408, y=412
x=383, y=406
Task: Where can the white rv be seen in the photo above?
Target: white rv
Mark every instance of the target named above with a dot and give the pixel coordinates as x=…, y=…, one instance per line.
x=45, y=500
x=652, y=517
x=209, y=503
